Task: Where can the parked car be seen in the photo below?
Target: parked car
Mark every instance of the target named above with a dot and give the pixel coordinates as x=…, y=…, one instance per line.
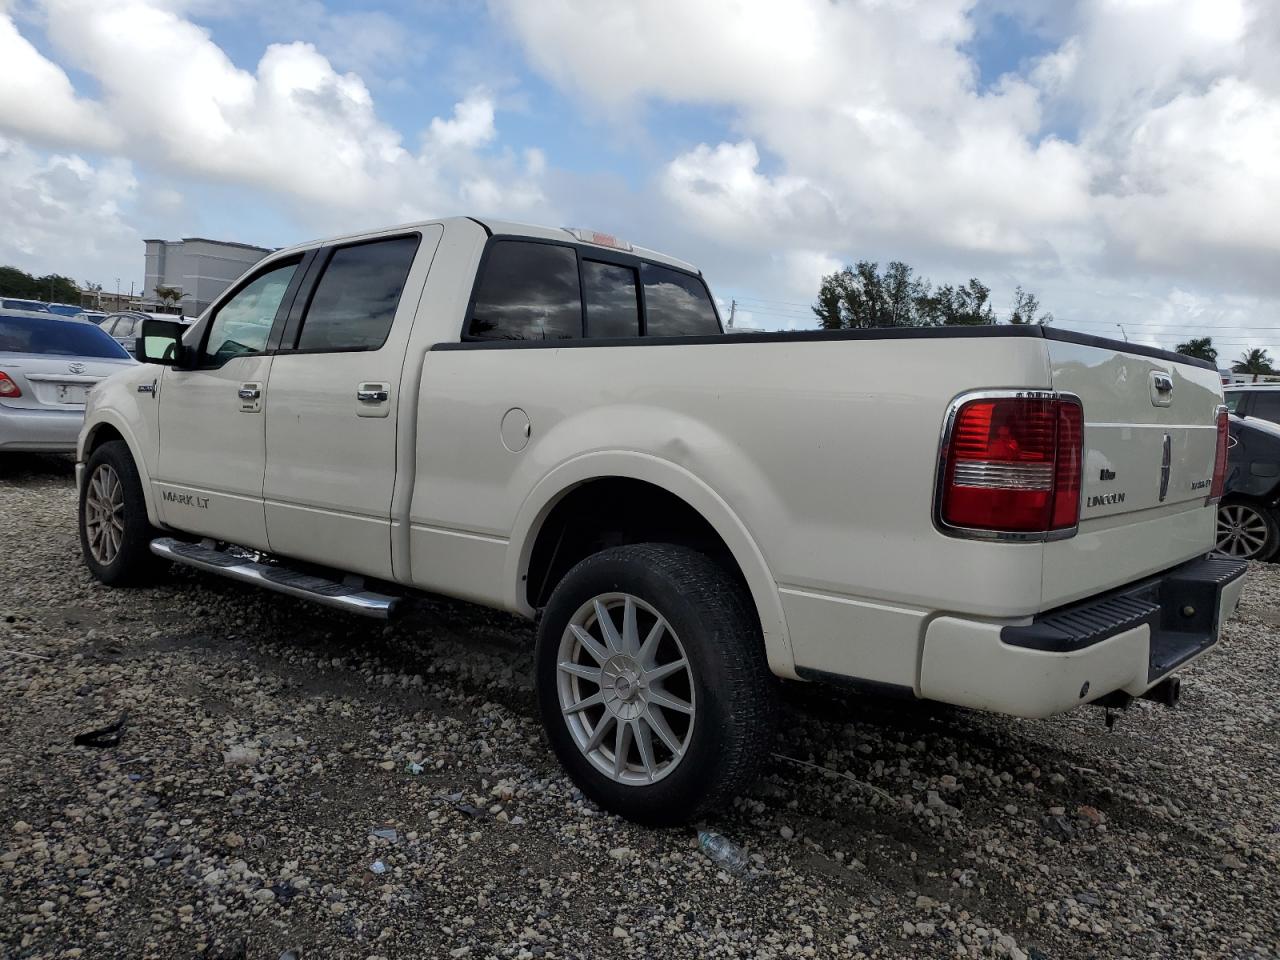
x=66, y=310
x=14, y=303
x=554, y=423
x=1261, y=401
x=1249, y=513
x=48, y=364
x=123, y=328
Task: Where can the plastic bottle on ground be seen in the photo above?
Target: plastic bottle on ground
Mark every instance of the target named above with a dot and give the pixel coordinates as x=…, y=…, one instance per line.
x=723, y=852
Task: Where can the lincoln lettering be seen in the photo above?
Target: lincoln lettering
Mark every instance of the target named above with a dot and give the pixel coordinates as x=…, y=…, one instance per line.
x=1104, y=499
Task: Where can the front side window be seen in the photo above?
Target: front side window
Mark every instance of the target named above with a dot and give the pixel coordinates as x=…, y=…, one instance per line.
x=676, y=304
x=243, y=323
x=528, y=291
x=356, y=299
x=610, y=292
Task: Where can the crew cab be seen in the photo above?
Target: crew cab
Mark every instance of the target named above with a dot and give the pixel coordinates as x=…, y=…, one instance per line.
x=553, y=423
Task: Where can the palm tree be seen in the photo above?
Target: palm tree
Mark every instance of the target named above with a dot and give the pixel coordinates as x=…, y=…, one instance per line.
x=1255, y=361
x=169, y=296
x=1201, y=348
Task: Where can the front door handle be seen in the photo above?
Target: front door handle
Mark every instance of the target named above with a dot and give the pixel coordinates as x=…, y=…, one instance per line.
x=371, y=399
x=250, y=393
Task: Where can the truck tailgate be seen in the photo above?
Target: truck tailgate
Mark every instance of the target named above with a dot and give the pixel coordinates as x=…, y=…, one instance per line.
x=1150, y=438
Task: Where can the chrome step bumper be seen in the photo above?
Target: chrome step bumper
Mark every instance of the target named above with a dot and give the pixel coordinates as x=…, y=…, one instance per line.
x=282, y=579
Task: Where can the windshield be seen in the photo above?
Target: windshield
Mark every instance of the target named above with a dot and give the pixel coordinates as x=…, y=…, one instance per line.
x=61, y=338
x=36, y=305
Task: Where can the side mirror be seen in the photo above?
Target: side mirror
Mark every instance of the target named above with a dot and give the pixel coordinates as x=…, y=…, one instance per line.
x=160, y=341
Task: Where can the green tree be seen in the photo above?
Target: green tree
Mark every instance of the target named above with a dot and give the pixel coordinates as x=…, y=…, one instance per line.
x=1026, y=308
x=1201, y=348
x=860, y=297
x=1255, y=361
x=969, y=305
x=829, y=309
x=52, y=287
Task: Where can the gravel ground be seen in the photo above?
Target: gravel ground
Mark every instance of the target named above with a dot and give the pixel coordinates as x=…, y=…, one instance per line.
x=268, y=739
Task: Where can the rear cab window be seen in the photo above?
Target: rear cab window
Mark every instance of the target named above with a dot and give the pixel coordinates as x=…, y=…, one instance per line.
x=677, y=304
x=537, y=290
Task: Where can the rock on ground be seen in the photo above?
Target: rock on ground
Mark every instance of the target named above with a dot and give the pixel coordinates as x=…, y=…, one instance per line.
x=268, y=739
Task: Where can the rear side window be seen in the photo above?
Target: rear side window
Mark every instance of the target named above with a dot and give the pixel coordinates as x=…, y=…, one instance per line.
x=355, y=301
x=676, y=304
x=58, y=338
x=1233, y=400
x=612, y=307
x=528, y=291
x=1265, y=405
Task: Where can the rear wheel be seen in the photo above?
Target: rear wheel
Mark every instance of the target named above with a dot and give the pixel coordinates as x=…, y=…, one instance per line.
x=1247, y=530
x=115, y=534
x=652, y=682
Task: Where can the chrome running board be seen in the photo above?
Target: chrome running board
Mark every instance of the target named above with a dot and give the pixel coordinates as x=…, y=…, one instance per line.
x=331, y=593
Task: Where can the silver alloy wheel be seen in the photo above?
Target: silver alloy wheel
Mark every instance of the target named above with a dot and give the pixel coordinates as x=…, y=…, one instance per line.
x=1242, y=530
x=104, y=514
x=630, y=704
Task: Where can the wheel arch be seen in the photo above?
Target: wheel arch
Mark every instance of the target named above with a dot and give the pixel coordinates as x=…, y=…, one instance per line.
x=708, y=516
x=109, y=428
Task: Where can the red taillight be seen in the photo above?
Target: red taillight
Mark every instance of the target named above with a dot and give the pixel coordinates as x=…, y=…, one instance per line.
x=1220, y=457
x=1013, y=465
x=7, y=387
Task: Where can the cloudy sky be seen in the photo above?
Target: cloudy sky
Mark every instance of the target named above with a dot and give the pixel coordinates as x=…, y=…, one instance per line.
x=1121, y=158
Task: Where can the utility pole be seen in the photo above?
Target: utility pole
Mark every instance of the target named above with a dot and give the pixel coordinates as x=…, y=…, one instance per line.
x=117, y=293
x=733, y=308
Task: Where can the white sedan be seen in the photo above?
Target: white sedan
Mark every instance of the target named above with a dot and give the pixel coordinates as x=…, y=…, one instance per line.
x=47, y=366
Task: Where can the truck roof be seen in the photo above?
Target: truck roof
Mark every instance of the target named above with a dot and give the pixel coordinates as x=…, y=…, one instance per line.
x=506, y=228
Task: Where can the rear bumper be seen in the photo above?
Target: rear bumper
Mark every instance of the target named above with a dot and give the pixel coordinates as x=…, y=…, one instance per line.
x=1126, y=640
x=39, y=431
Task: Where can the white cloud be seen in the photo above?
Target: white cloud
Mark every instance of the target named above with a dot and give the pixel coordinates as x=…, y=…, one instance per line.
x=294, y=127
x=471, y=125
x=1137, y=158
x=37, y=99
x=62, y=213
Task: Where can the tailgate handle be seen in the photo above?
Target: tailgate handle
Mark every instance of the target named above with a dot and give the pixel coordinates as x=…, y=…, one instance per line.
x=1163, y=383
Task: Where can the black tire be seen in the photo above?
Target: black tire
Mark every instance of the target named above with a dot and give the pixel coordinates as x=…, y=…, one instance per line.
x=1241, y=522
x=133, y=563
x=735, y=694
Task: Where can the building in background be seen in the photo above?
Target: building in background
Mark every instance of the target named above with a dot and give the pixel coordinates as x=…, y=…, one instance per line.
x=201, y=269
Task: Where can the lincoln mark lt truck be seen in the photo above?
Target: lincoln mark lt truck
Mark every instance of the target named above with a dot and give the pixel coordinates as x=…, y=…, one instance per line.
x=552, y=422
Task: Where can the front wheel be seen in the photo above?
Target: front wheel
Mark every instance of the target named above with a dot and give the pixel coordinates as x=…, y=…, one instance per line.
x=1247, y=530
x=115, y=534
x=652, y=682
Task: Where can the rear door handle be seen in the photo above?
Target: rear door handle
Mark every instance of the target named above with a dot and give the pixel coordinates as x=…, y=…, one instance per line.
x=250, y=395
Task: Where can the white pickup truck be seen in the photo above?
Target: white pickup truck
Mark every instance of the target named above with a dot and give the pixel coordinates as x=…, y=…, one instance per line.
x=552, y=422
